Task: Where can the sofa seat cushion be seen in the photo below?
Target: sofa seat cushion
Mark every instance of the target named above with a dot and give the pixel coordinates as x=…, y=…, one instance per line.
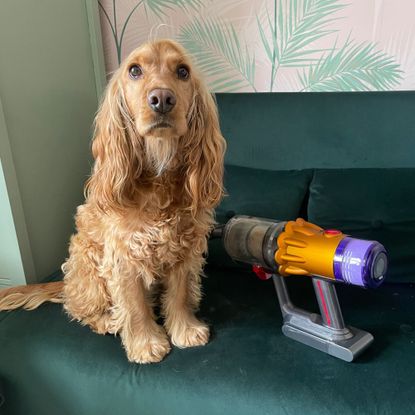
x=49, y=365
x=374, y=204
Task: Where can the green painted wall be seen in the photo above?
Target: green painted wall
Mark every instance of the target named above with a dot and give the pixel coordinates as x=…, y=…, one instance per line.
x=49, y=97
x=11, y=266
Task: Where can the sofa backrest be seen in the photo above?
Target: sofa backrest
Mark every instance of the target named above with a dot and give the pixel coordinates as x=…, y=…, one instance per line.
x=319, y=130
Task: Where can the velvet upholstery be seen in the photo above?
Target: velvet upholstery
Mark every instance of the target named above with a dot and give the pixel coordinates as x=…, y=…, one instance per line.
x=294, y=131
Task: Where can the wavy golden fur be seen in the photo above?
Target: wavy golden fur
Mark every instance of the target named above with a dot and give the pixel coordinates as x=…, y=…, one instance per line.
x=148, y=210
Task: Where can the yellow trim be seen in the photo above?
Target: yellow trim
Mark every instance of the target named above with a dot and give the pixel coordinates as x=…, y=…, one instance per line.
x=305, y=249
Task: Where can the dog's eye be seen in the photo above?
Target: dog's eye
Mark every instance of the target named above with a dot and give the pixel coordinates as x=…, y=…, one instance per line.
x=135, y=71
x=183, y=72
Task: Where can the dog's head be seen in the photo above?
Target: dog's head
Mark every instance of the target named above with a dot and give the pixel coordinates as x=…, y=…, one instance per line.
x=157, y=117
x=159, y=88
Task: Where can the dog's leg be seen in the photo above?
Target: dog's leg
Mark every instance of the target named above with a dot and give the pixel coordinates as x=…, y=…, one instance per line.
x=180, y=301
x=85, y=293
x=132, y=314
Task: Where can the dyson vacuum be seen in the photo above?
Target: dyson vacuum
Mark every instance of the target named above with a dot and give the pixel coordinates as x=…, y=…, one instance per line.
x=278, y=249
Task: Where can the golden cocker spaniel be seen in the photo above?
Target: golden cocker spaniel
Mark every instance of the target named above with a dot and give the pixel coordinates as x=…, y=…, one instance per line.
x=148, y=211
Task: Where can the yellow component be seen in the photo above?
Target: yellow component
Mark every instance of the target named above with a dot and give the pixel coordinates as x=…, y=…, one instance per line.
x=306, y=249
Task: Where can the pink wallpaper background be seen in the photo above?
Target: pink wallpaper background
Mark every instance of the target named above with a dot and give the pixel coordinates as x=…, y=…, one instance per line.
x=383, y=29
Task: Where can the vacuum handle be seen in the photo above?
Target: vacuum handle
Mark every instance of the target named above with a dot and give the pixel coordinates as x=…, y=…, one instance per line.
x=328, y=303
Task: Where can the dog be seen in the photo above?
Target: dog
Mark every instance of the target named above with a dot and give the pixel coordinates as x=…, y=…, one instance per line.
x=142, y=231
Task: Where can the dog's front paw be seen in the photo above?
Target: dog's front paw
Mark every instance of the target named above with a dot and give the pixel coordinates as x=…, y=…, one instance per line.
x=192, y=334
x=149, y=349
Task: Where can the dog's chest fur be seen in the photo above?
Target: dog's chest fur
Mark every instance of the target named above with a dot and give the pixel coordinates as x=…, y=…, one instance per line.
x=158, y=239
x=163, y=240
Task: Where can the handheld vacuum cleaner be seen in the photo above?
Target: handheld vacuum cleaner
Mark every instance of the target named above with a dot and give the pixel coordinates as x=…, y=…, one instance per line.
x=278, y=249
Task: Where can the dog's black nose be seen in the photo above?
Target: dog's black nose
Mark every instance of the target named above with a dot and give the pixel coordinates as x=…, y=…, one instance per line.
x=161, y=100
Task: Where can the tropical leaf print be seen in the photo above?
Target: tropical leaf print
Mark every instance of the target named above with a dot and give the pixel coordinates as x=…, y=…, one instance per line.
x=272, y=45
x=216, y=47
x=353, y=67
x=294, y=26
x=161, y=7
x=158, y=7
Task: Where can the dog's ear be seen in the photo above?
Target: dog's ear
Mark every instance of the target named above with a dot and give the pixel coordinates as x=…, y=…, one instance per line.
x=116, y=150
x=204, y=151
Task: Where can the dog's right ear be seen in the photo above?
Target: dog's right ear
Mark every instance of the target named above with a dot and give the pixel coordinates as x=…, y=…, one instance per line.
x=116, y=150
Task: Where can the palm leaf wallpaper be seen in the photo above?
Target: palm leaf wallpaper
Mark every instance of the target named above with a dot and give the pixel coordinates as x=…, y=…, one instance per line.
x=275, y=45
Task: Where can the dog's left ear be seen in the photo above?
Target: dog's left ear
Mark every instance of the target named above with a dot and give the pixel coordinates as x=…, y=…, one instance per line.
x=204, y=152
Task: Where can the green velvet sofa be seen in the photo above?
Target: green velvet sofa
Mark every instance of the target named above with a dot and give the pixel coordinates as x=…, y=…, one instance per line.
x=340, y=160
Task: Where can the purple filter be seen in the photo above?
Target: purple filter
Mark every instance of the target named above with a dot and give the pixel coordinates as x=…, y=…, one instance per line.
x=360, y=262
